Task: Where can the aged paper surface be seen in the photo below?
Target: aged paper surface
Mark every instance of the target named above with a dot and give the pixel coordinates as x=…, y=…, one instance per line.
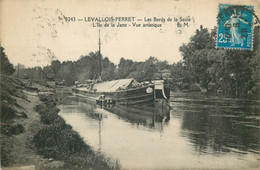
x=34, y=33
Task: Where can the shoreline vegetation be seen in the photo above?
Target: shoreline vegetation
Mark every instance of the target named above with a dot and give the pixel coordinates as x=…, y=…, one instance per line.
x=232, y=73
x=33, y=135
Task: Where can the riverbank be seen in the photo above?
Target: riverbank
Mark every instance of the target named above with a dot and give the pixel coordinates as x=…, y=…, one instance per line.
x=58, y=141
x=35, y=136
x=19, y=124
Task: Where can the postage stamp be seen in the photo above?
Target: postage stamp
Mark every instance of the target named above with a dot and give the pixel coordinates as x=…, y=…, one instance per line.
x=235, y=27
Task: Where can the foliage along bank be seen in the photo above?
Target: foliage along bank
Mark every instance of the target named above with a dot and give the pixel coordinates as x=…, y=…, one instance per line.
x=234, y=73
x=58, y=141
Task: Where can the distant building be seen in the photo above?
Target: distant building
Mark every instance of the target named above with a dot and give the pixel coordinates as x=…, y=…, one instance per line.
x=50, y=76
x=162, y=74
x=166, y=74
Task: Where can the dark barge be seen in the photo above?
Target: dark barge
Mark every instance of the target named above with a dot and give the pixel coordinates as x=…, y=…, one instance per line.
x=124, y=92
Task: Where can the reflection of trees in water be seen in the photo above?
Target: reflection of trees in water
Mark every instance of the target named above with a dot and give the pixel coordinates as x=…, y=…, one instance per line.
x=147, y=116
x=219, y=128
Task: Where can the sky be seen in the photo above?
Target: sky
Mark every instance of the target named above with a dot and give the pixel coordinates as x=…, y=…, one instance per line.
x=35, y=32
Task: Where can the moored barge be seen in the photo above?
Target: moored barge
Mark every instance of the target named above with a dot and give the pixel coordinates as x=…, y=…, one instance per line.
x=124, y=91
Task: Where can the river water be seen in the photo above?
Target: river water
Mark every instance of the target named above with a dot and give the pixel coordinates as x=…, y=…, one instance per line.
x=198, y=132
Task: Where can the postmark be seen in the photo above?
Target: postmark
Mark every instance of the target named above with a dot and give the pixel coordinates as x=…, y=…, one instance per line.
x=235, y=27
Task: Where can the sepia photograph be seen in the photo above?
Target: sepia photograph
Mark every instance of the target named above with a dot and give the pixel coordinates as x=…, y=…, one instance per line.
x=129, y=84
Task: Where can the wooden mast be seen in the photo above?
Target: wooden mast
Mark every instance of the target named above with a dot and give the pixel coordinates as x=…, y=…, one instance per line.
x=99, y=56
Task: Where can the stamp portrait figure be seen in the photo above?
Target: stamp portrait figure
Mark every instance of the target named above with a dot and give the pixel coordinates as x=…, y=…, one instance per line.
x=235, y=28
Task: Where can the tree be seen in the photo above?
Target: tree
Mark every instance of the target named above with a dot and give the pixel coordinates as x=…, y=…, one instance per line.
x=143, y=71
x=108, y=71
x=6, y=67
x=67, y=72
x=235, y=71
x=124, y=68
x=195, y=55
x=55, y=65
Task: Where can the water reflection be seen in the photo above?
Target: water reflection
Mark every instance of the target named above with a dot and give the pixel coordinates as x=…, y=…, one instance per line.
x=208, y=132
x=220, y=125
x=150, y=117
x=147, y=116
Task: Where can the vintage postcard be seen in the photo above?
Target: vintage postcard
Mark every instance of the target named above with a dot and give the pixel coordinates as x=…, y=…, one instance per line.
x=128, y=84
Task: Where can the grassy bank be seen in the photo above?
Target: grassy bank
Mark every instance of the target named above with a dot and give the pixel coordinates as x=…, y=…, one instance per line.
x=10, y=90
x=33, y=134
x=58, y=141
x=19, y=124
